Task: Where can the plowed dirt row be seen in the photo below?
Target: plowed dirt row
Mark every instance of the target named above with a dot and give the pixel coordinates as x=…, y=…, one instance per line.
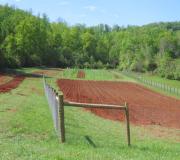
x=146, y=106
x=12, y=84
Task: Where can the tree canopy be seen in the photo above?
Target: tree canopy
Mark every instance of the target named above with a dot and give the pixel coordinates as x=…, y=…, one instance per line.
x=28, y=40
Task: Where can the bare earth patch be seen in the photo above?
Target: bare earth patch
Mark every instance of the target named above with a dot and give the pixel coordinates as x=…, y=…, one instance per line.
x=12, y=84
x=146, y=106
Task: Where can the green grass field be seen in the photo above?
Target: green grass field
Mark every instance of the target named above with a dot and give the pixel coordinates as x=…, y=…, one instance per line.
x=27, y=133
x=90, y=74
x=172, y=83
x=97, y=74
x=154, y=78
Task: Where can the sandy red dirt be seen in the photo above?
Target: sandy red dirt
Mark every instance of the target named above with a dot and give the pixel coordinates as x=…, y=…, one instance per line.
x=146, y=106
x=12, y=84
x=81, y=74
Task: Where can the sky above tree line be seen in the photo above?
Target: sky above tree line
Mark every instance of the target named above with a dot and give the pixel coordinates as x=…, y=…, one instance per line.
x=93, y=12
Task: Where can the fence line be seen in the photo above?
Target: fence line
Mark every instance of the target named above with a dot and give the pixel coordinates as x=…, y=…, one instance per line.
x=159, y=85
x=55, y=101
x=56, y=104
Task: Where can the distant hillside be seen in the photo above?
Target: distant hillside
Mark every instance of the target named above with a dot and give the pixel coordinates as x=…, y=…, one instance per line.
x=27, y=40
x=174, y=26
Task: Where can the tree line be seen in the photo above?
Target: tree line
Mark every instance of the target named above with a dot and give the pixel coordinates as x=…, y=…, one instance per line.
x=28, y=40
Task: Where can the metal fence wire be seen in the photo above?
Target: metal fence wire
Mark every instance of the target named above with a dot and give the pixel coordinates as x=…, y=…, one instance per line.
x=159, y=85
x=53, y=101
x=56, y=105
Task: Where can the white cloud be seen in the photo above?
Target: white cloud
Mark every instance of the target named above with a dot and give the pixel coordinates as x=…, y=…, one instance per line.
x=64, y=3
x=91, y=8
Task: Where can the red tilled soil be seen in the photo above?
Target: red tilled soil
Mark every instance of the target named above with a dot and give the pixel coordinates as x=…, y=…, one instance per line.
x=81, y=74
x=145, y=105
x=12, y=84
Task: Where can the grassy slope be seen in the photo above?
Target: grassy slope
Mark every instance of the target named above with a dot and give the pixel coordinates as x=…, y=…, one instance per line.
x=172, y=83
x=95, y=74
x=100, y=75
x=26, y=132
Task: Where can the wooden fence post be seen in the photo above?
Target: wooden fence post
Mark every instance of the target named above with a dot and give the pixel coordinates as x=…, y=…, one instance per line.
x=61, y=114
x=127, y=123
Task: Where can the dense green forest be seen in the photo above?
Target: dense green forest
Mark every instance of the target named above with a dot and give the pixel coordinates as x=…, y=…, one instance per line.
x=28, y=40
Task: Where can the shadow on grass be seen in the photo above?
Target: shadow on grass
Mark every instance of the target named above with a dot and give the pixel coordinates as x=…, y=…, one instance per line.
x=12, y=72
x=89, y=140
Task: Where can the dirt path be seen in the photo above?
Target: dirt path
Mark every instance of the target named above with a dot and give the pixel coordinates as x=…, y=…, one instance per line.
x=146, y=106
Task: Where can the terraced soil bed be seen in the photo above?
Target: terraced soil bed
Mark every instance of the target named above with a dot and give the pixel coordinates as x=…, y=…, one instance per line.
x=12, y=84
x=81, y=74
x=146, y=106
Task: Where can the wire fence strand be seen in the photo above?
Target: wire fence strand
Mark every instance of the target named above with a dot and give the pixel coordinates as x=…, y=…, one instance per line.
x=159, y=85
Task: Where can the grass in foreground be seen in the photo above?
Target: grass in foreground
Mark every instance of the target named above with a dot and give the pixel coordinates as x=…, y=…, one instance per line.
x=26, y=132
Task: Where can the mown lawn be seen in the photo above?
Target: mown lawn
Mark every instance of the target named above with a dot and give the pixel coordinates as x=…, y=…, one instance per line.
x=26, y=131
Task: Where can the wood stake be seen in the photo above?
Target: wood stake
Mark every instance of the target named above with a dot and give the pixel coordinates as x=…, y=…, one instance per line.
x=127, y=123
x=61, y=114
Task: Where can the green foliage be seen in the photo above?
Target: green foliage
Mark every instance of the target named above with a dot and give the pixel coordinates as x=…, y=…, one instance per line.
x=168, y=67
x=28, y=40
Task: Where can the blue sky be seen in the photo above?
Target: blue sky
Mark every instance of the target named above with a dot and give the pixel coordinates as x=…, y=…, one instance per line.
x=93, y=12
